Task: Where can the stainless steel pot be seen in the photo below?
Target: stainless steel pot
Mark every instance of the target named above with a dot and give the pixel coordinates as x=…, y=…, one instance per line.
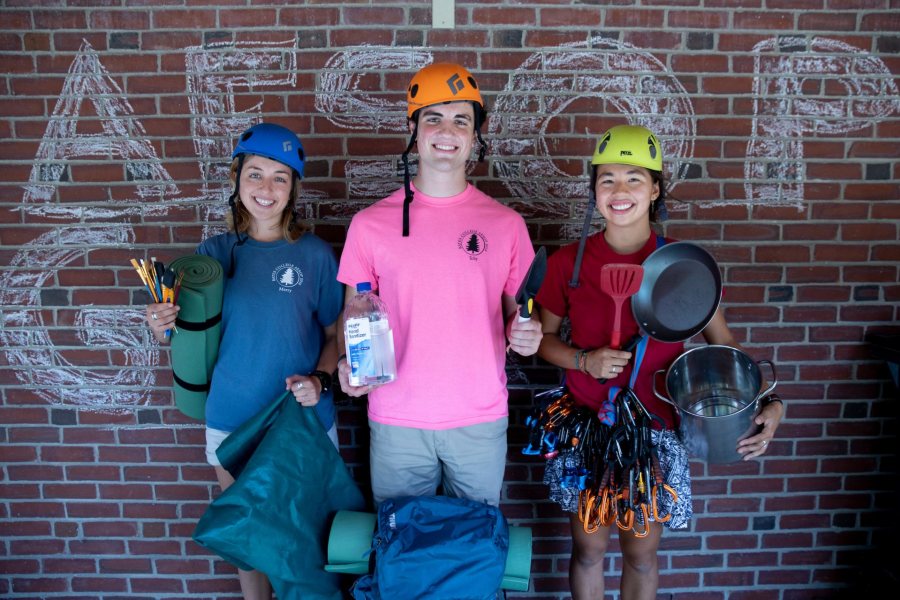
x=716, y=390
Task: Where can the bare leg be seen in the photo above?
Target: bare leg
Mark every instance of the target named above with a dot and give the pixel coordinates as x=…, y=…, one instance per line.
x=586, y=565
x=640, y=570
x=254, y=584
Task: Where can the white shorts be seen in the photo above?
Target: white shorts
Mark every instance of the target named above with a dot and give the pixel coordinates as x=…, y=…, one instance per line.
x=215, y=437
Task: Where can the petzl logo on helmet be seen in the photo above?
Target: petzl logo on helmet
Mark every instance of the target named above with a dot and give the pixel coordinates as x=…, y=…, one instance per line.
x=455, y=84
x=625, y=153
x=286, y=146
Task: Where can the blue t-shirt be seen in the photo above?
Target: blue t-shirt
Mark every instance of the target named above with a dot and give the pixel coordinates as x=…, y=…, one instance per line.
x=273, y=313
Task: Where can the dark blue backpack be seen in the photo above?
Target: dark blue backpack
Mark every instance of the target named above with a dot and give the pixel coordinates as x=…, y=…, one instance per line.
x=436, y=547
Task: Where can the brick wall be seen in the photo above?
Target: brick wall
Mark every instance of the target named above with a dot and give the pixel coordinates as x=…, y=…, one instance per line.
x=780, y=126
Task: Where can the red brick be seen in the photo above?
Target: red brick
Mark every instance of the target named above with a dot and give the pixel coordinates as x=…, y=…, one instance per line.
x=184, y=19
x=98, y=584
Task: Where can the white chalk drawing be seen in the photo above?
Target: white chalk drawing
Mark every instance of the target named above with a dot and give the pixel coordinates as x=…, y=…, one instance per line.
x=783, y=115
x=222, y=77
x=339, y=98
x=548, y=83
x=214, y=74
x=28, y=339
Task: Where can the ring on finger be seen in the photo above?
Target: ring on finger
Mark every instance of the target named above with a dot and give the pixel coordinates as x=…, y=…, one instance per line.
x=154, y=316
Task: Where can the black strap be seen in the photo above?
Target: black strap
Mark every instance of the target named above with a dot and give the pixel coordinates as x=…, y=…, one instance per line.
x=191, y=387
x=201, y=326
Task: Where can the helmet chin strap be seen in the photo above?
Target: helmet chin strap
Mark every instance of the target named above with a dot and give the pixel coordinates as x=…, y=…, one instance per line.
x=588, y=215
x=408, y=197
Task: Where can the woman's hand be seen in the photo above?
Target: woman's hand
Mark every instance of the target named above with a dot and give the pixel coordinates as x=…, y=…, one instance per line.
x=606, y=363
x=306, y=390
x=354, y=391
x=769, y=417
x=161, y=317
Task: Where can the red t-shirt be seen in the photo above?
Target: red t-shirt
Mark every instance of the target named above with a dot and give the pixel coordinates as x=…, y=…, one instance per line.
x=591, y=313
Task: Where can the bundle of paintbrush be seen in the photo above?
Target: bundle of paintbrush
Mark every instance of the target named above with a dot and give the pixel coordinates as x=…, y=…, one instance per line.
x=162, y=283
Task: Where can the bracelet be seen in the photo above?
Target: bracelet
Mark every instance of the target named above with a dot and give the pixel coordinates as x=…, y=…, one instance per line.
x=583, y=366
x=772, y=398
x=578, y=359
x=324, y=380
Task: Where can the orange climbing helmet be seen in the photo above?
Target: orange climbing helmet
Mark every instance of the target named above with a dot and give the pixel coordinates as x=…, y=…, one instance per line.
x=435, y=84
x=441, y=82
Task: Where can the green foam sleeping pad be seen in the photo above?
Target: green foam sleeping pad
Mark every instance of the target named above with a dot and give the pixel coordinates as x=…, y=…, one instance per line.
x=350, y=541
x=195, y=346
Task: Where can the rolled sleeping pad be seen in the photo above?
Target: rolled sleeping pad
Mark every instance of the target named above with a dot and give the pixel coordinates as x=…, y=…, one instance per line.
x=350, y=542
x=195, y=346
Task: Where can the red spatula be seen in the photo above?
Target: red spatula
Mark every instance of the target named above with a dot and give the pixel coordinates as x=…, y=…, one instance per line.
x=620, y=281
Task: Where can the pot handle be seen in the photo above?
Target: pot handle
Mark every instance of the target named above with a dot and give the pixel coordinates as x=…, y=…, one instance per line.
x=667, y=400
x=771, y=387
x=656, y=391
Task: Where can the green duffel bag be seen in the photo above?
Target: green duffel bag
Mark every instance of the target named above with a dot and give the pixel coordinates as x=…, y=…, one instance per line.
x=290, y=481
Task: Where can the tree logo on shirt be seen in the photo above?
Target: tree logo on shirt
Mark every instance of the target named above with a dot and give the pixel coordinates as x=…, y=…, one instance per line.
x=472, y=242
x=287, y=276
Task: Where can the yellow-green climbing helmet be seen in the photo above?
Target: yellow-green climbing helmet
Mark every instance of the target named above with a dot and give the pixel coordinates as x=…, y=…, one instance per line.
x=629, y=145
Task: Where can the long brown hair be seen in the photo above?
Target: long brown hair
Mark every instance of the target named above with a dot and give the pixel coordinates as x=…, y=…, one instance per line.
x=291, y=225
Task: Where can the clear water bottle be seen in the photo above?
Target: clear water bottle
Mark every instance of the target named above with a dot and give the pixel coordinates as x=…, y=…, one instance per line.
x=368, y=338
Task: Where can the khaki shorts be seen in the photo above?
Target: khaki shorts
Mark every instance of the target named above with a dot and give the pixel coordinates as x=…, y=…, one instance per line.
x=467, y=462
x=215, y=437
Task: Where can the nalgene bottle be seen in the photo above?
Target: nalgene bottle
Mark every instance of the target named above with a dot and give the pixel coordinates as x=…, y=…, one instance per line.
x=368, y=338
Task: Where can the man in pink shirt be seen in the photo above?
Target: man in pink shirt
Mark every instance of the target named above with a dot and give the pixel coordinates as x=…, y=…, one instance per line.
x=447, y=260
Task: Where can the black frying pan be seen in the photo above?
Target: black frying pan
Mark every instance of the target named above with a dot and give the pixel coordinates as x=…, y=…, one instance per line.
x=679, y=294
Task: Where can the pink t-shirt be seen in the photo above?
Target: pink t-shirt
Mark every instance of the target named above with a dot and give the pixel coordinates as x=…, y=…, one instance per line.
x=443, y=286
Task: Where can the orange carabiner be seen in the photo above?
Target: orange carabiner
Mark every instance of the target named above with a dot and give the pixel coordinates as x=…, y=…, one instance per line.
x=655, y=502
x=607, y=508
x=590, y=520
x=624, y=518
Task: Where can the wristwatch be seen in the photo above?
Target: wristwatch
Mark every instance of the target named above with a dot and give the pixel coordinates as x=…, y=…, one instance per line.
x=324, y=379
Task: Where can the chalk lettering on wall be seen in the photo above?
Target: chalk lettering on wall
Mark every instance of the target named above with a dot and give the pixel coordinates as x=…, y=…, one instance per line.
x=28, y=338
x=222, y=81
x=223, y=86
x=340, y=99
x=214, y=75
x=122, y=138
x=624, y=77
x=806, y=88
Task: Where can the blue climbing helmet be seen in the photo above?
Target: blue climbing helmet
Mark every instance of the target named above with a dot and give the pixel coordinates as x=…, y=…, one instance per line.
x=275, y=142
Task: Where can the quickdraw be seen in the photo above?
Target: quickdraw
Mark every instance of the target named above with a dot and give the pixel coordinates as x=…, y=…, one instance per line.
x=615, y=467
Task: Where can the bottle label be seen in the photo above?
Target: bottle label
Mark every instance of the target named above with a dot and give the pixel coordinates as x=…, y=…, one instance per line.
x=358, y=337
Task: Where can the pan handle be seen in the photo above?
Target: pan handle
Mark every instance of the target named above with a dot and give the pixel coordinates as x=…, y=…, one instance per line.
x=771, y=387
x=629, y=346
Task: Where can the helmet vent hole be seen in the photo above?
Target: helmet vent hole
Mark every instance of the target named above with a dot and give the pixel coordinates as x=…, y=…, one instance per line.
x=414, y=90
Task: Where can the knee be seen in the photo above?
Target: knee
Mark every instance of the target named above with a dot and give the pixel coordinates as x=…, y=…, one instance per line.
x=642, y=561
x=589, y=555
